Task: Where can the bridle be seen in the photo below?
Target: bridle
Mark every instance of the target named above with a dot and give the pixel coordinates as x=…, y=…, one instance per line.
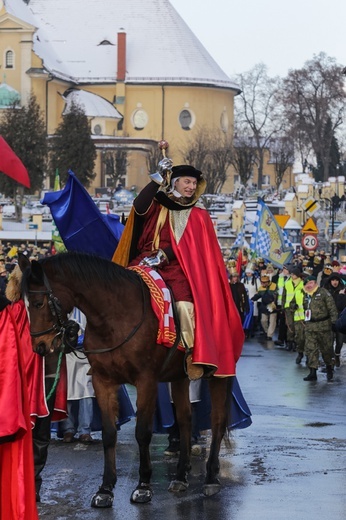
x=65, y=328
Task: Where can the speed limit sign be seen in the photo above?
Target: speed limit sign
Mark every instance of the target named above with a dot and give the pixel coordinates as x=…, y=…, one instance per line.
x=309, y=242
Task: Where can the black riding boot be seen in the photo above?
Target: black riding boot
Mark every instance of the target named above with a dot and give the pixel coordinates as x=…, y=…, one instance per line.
x=312, y=376
x=329, y=372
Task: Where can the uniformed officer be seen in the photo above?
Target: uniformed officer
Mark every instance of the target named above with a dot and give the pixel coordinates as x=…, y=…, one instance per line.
x=320, y=314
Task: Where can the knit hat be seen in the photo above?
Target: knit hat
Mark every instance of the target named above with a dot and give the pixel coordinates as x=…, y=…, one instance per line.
x=296, y=272
x=310, y=278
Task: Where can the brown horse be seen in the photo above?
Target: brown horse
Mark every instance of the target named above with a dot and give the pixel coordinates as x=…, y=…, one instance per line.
x=120, y=342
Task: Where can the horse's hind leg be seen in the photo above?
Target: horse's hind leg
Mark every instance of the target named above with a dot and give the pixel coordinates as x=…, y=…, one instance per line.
x=220, y=394
x=146, y=402
x=107, y=398
x=180, y=394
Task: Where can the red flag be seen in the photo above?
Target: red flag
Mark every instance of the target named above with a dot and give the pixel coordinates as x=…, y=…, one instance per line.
x=11, y=165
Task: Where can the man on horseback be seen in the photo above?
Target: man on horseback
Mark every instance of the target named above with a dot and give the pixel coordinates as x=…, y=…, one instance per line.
x=170, y=230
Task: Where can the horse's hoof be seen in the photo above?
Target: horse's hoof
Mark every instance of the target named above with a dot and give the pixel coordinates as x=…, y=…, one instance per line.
x=102, y=500
x=211, y=489
x=142, y=494
x=178, y=485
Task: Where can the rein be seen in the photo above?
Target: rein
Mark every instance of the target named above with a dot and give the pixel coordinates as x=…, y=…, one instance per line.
x=60, y=325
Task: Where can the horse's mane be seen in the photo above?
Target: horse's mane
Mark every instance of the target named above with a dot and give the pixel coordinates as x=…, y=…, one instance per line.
x=89, y=268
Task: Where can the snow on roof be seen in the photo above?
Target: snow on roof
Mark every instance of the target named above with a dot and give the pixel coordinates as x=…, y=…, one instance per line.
x=92, y=105
x=302, y=188
x=292, y=224
x=72, y=41
x=289, y=196
x=19, y=9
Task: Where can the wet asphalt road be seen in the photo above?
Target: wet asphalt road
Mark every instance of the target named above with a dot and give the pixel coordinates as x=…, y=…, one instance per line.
x=289, y=464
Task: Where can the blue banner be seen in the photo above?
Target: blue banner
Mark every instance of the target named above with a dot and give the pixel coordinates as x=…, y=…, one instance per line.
x=81, y=225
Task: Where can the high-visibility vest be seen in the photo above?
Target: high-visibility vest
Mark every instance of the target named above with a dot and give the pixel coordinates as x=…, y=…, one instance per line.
x=289, y=288
x=280, y=288
x=299, y=314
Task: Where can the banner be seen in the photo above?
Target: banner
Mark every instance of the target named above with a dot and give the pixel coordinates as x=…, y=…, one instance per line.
x=268, y=240
x=239, y=241
x=81, y=225
x=11, y=165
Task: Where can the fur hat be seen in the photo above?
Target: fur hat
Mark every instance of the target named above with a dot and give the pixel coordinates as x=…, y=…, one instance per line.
x=13, y=288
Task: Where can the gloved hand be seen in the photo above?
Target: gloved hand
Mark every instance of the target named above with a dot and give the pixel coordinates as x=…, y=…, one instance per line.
x=157, y=259
x=164, y=166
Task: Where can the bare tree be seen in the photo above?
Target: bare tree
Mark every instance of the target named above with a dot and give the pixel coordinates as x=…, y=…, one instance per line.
x=282, y=155
x=314, y=100
x=244, y=158
x=257, y=111
x=115, y=165
x=210, y=151
x=153, y=158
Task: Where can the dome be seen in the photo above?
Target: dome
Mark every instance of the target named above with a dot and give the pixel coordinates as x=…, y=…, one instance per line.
x=8, y=96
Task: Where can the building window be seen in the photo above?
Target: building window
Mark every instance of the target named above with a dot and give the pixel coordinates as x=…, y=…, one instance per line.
x=98, y=129
x=186, y=119
x=224, y=122
x=9, y=60
x=140, y=119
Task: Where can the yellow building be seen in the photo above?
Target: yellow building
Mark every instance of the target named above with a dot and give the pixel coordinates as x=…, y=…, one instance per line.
x=135, y=67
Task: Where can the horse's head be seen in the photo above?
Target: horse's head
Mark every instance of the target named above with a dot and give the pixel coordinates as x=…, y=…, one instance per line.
x=50, y=328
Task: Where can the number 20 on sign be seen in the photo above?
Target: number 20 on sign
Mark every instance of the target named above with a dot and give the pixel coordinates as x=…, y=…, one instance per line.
x=309, y=242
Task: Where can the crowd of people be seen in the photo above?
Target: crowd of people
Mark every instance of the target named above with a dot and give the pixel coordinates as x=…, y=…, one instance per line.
x=302, y=304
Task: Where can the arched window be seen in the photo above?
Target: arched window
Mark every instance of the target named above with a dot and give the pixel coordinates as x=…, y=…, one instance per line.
x=9, y=60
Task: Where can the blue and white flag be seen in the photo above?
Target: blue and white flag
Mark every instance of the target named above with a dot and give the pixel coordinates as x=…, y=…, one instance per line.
x=268, y=240
x=239, y=241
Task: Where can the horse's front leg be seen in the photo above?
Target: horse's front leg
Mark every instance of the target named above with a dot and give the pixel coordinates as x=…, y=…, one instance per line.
x=220, y=394
x=146, y=402
x=180, y=395
x=107, y=397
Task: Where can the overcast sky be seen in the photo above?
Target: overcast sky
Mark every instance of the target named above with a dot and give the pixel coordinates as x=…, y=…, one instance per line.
x=282, y=34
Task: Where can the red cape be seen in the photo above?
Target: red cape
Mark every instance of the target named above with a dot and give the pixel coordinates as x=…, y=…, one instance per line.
x=219, y=335
x=17, y=483
x=34, y=369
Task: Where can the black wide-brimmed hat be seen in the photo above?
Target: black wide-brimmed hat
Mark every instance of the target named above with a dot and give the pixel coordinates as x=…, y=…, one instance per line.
x=185, y=170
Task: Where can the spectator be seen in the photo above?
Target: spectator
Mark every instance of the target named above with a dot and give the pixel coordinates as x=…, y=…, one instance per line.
x=251, y=283
x=267, y=296
x=282, y=334
x=239, y=294
x=335, y=285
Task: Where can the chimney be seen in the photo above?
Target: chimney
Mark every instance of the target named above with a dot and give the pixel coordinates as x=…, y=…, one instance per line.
x=121, y=55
